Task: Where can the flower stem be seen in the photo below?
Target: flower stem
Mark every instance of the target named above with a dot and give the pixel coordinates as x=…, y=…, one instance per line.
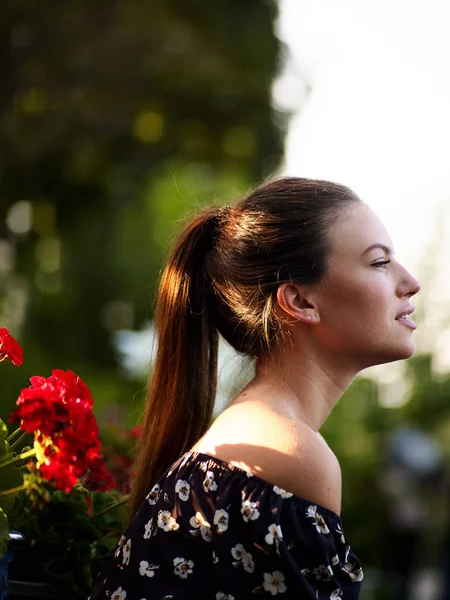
x=18, y=458
x=13, y=490
x=13, y=435
x=19, y=440
x=123, y=500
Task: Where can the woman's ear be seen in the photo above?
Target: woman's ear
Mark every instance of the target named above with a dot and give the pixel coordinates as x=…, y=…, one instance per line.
x=296, y=304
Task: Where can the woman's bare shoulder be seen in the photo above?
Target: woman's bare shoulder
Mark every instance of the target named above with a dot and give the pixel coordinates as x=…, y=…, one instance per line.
x=284, y=452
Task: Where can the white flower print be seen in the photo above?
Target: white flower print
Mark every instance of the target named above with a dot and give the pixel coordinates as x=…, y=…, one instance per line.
x=223, y=596
x=248, y=563
x=166, y=521
x=274, y=583
x=183, y=489
x=249, y=474
x=339, y=530
x=281, y=492
x=336, y=594
x=238, y=552
x=183, y=567
x=275, y=534
x=335, y=560
x=201, y=526
x=242, y=558
x=198, y=520
x=146, y=569
x=355, y=575
x=119, y=594
x=209, y=485
x=221, y=518
x=249, y=511
x=126, y=553
x=319, y=521
x=206, y=533
x=154, y=494
x=148, y=529
x=215, y=558
x=323, y=572
x=305, y=571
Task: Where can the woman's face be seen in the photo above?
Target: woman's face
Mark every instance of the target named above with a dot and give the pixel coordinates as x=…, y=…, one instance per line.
x=364, y=293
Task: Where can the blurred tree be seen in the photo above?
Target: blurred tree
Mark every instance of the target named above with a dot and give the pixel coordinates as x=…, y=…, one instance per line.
x=115, y=119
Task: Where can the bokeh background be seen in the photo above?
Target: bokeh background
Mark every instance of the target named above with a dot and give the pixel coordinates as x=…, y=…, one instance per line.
x=118, y=119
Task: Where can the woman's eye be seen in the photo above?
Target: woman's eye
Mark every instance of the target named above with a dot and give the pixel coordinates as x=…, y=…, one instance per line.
x=381, y=263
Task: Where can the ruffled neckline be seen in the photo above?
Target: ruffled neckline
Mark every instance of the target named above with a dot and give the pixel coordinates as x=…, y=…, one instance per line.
x=226, y=466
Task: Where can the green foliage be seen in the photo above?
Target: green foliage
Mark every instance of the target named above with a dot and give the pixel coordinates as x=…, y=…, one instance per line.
x=4, y=446
x=116, y=121
x=67, y=539
x=430, y=397
x=10, y=477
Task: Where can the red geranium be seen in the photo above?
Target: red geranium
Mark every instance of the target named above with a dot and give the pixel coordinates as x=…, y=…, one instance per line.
x=59, y=473
x=58, y=410
x=98, y=476
x=9, y=348
x=62, y=476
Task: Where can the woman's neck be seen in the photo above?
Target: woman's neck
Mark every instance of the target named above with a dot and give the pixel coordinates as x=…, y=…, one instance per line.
x=302, y=389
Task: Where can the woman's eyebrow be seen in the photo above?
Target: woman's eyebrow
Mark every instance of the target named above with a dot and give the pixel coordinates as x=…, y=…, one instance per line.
x=383, y=247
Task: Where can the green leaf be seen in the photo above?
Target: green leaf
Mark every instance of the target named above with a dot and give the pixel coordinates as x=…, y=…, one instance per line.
x=3, y=430
x=4, y=532
x=103, y=500
x=5, y=449
x=10, y=477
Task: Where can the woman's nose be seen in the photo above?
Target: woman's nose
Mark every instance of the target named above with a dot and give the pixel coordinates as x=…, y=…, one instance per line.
x=408, y=285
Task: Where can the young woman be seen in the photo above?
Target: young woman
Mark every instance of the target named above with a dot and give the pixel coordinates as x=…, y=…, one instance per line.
x=300, y=275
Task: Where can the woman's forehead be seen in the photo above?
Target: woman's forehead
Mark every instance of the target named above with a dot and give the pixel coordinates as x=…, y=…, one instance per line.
x=356, y=229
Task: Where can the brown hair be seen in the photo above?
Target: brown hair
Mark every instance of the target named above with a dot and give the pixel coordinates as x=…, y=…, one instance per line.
x=222, y=277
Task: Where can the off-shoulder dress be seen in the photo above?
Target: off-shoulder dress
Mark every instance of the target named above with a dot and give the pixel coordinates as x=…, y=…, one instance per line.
x=209, y=529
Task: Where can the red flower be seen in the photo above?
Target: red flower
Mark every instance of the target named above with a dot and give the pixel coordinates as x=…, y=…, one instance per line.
x=59, y=403
x=9, y=348
x=73, y=386
x=59, y=473
x=58, y=409
x=136, y=431
x=99, y=477
x=40, y=409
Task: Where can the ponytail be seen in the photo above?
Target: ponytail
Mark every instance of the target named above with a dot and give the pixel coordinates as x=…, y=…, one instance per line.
x=182, y=390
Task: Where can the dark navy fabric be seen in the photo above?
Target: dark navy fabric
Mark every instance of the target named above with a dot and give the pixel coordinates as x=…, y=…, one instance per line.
x=211, y=530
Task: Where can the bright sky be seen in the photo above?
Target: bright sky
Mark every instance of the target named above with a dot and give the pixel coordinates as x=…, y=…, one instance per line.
x=377, y=118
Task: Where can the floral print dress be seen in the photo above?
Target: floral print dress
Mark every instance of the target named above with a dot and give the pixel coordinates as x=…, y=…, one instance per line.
x=211, y=530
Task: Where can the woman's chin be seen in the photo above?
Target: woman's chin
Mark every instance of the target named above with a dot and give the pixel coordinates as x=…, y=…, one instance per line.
x=404, y=352
x=393, y=354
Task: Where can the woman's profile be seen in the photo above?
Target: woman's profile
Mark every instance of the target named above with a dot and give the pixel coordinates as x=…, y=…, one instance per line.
x=301, y=276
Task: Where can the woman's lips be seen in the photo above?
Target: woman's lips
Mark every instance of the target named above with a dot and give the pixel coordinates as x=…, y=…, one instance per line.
x=408, y=322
